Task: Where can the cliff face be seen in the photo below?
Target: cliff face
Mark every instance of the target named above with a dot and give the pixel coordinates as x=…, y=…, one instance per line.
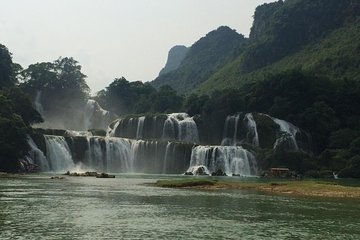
x=175, y=57
x=203, y=58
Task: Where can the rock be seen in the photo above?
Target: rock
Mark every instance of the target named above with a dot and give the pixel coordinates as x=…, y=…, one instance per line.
x=218, y=172
x=201, y=171
x=236, y=175
x=105, y=175
x=56, y=177
x=188, y=174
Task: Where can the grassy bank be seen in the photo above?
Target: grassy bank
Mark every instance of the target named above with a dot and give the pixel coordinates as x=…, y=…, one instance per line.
x=301, y=188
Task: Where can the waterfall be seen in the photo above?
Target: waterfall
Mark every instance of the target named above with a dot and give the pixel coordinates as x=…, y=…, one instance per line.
x=119, y=156
x=229, y=159
x=172, y=127
x=231, y=131
x=95, y=154
x=168, y=155
x=111, y=130
x=37, y=103
x=72, y=133
x=95, y=117
x=58, y=154
x=37, y=156
x=180, y=127
x=290, y=134
x=251, y=128
x=140, y=128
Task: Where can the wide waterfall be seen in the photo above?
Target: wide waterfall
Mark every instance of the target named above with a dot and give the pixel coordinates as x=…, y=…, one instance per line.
x=232, y=160
x=111, y=154
x=173, y=127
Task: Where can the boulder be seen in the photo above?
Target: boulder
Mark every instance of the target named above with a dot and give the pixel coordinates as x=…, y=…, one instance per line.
x=218, y=172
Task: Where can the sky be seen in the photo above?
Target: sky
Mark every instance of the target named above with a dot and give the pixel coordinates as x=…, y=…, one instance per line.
x=114, y=38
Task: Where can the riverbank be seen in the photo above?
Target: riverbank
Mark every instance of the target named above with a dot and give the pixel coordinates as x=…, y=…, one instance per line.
x=311, y=188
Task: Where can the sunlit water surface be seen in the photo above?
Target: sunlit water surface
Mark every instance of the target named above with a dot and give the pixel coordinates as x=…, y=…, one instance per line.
x=37, y=207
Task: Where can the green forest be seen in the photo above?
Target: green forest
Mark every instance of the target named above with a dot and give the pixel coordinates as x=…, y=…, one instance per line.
x=301, y=63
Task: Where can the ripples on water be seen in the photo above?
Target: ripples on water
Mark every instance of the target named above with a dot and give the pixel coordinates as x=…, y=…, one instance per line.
x=36, y=207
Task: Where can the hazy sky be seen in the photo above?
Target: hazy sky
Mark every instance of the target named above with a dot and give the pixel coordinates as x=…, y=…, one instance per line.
x=114, y=38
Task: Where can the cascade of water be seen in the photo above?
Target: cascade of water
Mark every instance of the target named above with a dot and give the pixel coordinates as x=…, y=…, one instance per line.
x=111, y=131
x=37, y=156
x=140, y=128
x=290, y=131
x=58, y=154
x=119, y=156
x=252, y=129
x=37, y=103
x=72, y=133
x=167, y=156
x=231, y=124
x=181, y=127
x=95, y=116
x=95, y=154
x=229, y=159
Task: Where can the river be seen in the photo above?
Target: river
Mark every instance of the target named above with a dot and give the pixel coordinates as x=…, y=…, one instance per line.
x=37, y=207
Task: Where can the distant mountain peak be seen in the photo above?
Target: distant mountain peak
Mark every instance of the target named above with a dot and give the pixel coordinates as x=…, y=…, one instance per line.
x=175, y=57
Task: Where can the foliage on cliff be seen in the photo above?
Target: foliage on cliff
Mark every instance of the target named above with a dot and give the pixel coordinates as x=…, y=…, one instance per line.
x=203, y=59
x=16, y=115
x=124, y=97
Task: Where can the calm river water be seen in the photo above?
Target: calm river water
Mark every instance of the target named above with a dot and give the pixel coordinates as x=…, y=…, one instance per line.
x=36, y=207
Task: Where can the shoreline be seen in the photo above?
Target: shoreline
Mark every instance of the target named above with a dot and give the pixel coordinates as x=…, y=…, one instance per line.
x=305, y=188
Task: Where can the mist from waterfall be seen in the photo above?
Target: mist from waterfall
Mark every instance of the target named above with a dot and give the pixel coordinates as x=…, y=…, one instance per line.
x=89, y=115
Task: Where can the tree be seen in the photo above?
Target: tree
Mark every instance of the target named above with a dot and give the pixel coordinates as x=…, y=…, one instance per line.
x=6, y=68
x=62, y=88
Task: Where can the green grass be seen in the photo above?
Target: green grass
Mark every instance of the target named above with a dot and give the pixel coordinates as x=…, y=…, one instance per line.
x=312, y=188
x=181, y=183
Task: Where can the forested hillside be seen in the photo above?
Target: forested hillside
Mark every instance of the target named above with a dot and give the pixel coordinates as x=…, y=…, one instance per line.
x=203, y=59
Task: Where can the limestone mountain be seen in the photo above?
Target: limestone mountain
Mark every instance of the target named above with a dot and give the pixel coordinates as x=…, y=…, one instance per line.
x=175, y=57
x=320, y=37
x=204, y=58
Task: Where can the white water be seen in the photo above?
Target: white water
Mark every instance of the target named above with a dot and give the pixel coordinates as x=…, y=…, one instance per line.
x=111, y=131
x=95, y=117
x=291, y=132
x=72, y=133
x=230, y=159
x=233, y=141
x=95, y=154
x=195, y=169
x=252, y=129
x=58, y=154
x=37, y=156
x=37, y=103
x=119, y=156
x=140, y=128
x=183, y=125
